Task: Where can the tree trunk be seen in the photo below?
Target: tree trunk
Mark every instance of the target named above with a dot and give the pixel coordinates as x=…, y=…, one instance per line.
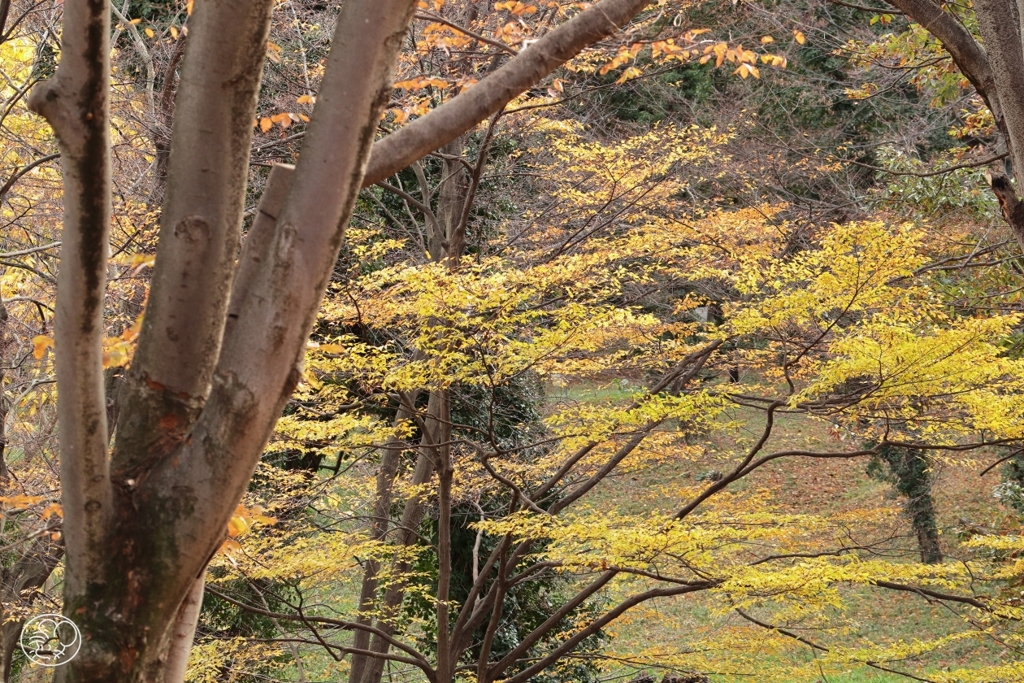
x=219, y=354
x=138, y=538
x=445, y=242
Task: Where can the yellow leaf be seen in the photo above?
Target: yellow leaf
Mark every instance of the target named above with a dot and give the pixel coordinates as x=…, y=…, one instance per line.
x=306, y=99
x=800, y=38
x=257, y=515
x=266, y=124
x=767, y=39
x=149, y=32
x=140, y=261
x=237, y=526
x=631, y=72
x=174, y=33
x=40, y=344
x=53, y=510
x=188, y=7
x=135, y=22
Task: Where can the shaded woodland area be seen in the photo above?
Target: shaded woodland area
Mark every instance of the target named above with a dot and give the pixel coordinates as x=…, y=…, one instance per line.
x=460, y=340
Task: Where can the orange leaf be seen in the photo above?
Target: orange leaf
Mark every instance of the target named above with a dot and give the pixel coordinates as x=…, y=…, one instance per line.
x=237, y=526
x=21, y=501
x=274, y=52
x=228, y=545
x=40, y=344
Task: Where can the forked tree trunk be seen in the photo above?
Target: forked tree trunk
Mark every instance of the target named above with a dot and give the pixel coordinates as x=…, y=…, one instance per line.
x=141, y=526
x=219, y=354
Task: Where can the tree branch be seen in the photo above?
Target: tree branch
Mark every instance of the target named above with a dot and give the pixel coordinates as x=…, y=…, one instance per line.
x=491, y=94
x=208, y=169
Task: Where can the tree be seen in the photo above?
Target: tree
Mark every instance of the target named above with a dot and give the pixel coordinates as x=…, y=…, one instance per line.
x=196, y=410
x=994, y=71
x=221, y=349
x=845, y=331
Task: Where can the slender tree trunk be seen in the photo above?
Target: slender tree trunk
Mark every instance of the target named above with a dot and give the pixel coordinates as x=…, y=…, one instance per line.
x=446, y=658
x=407, y=535
x=76, y=104
x=378, y=530
x=184, y=632
x=445, y=242
x=910, y=475
x=5, y=341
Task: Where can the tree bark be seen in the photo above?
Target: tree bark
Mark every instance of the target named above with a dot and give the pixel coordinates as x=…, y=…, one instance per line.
x=76, y=104
x=184, y=632
x=208, y=167
x=999, y=24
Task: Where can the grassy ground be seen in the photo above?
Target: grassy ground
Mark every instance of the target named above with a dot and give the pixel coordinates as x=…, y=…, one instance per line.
x=806, y=485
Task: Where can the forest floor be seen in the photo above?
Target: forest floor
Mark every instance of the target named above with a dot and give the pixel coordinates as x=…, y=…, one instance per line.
x=962, y=497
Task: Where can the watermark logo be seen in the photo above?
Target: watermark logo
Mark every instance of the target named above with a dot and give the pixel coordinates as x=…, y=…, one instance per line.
x=50, y=639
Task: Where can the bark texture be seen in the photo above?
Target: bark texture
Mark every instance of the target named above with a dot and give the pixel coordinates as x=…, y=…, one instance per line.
x=76, y=104
x=199, y=230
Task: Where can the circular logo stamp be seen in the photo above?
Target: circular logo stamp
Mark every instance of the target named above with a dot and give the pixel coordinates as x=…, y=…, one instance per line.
x=50, y=639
